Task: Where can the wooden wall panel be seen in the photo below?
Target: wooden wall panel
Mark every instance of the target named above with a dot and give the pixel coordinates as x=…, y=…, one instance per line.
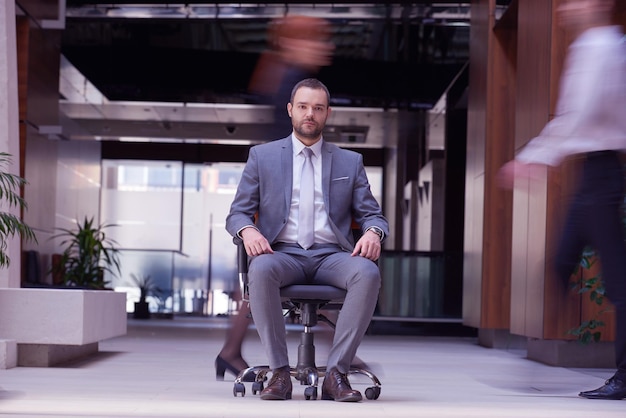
x=562, y=308
x=498, y=202
x=474, y=183
x=491, y=124
x=22, y=32
x=38, y=89
x=41, y=9
x=532, y=113
x=43, y=76
x=22, y=29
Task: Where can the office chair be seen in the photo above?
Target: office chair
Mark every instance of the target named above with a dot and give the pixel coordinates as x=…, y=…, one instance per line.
x=303, y=301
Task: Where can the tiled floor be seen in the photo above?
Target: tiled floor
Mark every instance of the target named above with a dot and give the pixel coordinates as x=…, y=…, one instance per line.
x=164, y=368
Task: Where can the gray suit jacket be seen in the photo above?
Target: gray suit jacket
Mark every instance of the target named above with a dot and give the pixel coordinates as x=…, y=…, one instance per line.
x=266, y=185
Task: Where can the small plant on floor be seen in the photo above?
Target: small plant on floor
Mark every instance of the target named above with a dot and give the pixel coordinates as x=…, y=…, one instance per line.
x=10, y=225
x=146, y=286
x=589, y=330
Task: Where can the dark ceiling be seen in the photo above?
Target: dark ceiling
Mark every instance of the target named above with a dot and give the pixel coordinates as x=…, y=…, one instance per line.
x=387, y=55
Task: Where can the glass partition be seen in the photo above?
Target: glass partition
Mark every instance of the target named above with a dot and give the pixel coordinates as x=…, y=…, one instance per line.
x=417, y=285
x=144, y=200
x=170, y=222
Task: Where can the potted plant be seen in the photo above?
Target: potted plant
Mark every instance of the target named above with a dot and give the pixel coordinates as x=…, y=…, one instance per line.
x=88, y=254
x=9, y=195
x=146, y=288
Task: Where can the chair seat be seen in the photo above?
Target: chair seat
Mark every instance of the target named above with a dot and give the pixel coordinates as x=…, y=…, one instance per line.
x=313, y=291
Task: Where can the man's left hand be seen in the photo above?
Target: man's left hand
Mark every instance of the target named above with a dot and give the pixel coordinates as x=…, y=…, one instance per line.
x=368, y=246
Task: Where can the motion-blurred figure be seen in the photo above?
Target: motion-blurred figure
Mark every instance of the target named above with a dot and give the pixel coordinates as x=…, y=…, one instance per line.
x=590, y=121
x=298, y=47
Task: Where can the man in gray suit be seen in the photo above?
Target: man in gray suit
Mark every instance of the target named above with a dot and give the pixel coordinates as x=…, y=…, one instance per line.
x=271, y=214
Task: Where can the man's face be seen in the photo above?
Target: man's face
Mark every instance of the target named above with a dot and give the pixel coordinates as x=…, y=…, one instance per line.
x=309, y=112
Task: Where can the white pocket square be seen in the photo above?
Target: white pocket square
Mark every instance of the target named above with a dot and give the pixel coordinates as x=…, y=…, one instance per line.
x=341, y=178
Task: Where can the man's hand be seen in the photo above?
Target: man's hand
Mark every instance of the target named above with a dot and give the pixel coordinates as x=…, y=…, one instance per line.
x=514, y=169
x=254, y=242
x=368, y=246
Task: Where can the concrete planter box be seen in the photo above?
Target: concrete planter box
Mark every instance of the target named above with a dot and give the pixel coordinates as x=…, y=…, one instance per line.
x=51, y=326
x=572, y=353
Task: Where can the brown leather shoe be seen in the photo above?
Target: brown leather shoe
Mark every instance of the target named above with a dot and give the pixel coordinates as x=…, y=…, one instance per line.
x=279, y=387
x=336, y=387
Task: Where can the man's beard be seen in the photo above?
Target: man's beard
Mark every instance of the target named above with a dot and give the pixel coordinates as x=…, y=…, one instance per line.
x=308, y=133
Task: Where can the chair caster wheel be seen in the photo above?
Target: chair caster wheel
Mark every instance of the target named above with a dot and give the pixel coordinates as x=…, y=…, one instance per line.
x=310, y=393
x=257, y=387
x=239, y=388
x=372, y=392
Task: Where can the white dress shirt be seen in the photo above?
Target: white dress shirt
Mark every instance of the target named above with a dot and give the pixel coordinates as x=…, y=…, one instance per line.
x=323, y=232
x=591, y=108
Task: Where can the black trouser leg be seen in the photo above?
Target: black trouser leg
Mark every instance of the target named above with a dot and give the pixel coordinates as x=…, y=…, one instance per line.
x=595, y=218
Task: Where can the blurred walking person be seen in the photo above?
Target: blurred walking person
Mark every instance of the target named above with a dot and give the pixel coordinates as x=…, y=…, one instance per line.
x=590, y=122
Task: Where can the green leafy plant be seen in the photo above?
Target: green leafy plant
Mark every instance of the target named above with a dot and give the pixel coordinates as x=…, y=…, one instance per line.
x=10, y=224
x=88, y=254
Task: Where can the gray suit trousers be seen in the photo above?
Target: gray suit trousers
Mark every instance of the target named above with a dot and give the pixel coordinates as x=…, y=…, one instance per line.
x=321, y=264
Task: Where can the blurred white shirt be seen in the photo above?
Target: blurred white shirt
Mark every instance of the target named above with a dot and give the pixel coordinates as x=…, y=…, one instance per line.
x=591, y=108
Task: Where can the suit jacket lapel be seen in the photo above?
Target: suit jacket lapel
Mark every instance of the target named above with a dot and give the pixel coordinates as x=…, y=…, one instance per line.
x=327, y=159
x=287, y=172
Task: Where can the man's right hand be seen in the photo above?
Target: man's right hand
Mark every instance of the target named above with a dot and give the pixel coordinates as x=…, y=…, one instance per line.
x=254, y=242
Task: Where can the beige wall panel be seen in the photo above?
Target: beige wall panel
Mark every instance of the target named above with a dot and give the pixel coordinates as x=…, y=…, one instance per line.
x=536, y=259
x=519, y=261
x=472, y=258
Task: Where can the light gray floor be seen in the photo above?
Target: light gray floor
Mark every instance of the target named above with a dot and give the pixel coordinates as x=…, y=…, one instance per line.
x=164, y=368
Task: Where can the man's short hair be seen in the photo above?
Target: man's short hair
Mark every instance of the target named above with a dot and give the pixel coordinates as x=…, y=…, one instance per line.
x=312, y=83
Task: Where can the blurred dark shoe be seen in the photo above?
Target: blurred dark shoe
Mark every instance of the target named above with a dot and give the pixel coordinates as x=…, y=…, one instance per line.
x=222, y=365
x=613, y=388
x=336, y=387
x=279, y=388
